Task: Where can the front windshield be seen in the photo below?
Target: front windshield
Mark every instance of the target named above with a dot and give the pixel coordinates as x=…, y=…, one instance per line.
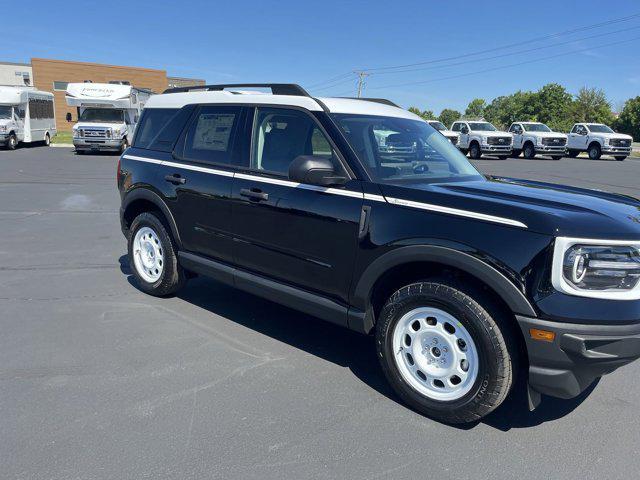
x=438, y=125
x=482, y=126
x=398, y=150
x=536, y=127
x=107, y=115
x=5, y=112
x=599, y=128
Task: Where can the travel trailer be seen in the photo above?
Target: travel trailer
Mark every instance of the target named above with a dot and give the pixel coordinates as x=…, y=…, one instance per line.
x=26, y=115
x=107, y=114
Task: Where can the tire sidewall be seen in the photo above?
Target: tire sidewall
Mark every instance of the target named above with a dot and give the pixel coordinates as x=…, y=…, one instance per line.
x=172, y=275
x=596, y=152
x=474, y=151
x=456, y=411
x=12, y=143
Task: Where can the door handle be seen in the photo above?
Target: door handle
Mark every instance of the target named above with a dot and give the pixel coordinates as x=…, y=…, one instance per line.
x=175, y=179
x=254, y=194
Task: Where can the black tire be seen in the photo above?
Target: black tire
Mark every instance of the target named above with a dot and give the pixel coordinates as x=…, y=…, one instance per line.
x=594, y=151
x=474, y=151
x=529, y=150
x=12, y=142
x=556, y=157
x=620, y=159
x=496, y=346
x=172, y=277
x=516, y=153
x=573, y=153
x=47, y=140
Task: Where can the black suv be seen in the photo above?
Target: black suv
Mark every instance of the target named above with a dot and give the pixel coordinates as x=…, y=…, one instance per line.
x=361, y=213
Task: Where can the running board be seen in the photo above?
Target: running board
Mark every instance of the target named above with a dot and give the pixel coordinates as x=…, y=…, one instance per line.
x=277, y=292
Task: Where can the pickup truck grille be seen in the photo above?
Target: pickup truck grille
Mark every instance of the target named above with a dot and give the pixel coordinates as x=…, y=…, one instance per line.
x=499, y=140
x=619, y=142
x=555, y=141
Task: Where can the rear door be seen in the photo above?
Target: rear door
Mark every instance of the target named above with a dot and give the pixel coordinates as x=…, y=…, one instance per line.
x=299, y=234
x=200, y=175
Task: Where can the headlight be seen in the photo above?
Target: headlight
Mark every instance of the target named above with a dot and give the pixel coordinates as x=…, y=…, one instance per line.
x=485, y=139
x=597, y=268
x=3, y=128
x=539, y=140
x=606, y=141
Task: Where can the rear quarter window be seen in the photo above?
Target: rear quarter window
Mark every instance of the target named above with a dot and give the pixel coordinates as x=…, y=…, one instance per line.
x=159, y=128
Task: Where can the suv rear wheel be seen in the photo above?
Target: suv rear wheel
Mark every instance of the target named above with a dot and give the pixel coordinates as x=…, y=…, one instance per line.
x=152, y=256
x=443, y=353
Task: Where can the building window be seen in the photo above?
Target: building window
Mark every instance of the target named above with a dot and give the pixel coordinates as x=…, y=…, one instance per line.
x=59, y=85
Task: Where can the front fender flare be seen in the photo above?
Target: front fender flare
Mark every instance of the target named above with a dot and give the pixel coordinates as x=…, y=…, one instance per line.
x=361, y=298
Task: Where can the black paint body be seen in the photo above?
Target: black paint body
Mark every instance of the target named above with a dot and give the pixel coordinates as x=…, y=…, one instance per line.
x=307, y=248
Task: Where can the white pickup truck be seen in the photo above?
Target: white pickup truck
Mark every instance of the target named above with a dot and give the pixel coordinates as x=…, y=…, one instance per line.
x=597, y=139
x=438, y=125
x=479, y=137
x=533, y=138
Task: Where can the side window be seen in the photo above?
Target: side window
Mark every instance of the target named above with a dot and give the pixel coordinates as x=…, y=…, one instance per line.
x=211, y=134
x=514, y=128
x=152, y=122
x=456, y=127
x=281, y=135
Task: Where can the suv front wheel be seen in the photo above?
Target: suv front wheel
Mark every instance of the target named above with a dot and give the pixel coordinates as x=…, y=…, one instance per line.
x=443, y=353
x=152, y=257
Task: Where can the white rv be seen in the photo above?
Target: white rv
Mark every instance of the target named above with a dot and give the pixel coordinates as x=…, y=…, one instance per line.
x=26, y=115
x=107, y=114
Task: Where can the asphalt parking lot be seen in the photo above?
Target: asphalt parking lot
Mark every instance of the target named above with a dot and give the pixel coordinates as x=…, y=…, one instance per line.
x=98, y=380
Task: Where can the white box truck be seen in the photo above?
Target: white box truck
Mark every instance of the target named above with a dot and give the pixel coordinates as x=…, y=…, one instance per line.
x=26, y=115
x=107, y=114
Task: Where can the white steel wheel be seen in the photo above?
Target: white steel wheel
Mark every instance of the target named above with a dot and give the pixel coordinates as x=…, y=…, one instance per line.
x=148, y=256
x=435, y=354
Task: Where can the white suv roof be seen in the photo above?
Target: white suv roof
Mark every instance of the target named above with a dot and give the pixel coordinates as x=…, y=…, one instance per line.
x=177, y=98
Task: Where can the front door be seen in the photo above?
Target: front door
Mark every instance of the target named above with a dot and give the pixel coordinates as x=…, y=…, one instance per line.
x=578, y=138
x=298, y=234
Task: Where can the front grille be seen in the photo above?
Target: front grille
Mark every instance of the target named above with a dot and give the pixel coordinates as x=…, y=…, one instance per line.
x=93, y=133
x=555, y=141
x=499, y=140
x=619, y=142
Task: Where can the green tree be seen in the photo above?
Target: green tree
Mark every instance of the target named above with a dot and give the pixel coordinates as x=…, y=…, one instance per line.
x=505, y=110
x=552, y=104
x=448, y=116
x=475, y=109
x=426, y=114
x=591, y=105
x=629, y=120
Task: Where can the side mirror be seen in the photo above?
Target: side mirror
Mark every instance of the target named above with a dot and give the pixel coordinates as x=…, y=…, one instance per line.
x=464, y=130
x=314, y=170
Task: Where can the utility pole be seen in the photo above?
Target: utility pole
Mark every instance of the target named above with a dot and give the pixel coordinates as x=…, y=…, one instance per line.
x=361, y=77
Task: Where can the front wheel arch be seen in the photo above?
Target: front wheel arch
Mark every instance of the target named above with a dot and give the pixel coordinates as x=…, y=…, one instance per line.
x=416, y=262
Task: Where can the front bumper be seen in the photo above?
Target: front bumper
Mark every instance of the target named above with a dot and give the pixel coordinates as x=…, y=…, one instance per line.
x=578, y=355
x=496, y=148
x=550, y=149
x=608, y=149
x=111, y=144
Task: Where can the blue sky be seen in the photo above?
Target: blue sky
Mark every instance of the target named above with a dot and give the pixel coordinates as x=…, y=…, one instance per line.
x=312, y=42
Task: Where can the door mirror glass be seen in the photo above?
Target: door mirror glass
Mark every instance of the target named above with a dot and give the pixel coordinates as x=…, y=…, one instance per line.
x=314, y=170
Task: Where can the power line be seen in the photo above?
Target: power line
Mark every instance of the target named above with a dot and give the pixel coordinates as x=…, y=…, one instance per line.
x=342, y=82
x=502, y=55
x=502, y=47
x=505, y=66
x=338, y=77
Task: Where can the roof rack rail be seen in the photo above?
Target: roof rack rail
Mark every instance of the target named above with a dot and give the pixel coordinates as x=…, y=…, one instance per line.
x=276, y=88
x=383, y=101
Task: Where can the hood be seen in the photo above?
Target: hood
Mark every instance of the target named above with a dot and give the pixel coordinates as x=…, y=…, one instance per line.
x=544, y=208
x=97, y=125
x=497, y=133
x=620, y=136
x=449, y=133
x=547, y=134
